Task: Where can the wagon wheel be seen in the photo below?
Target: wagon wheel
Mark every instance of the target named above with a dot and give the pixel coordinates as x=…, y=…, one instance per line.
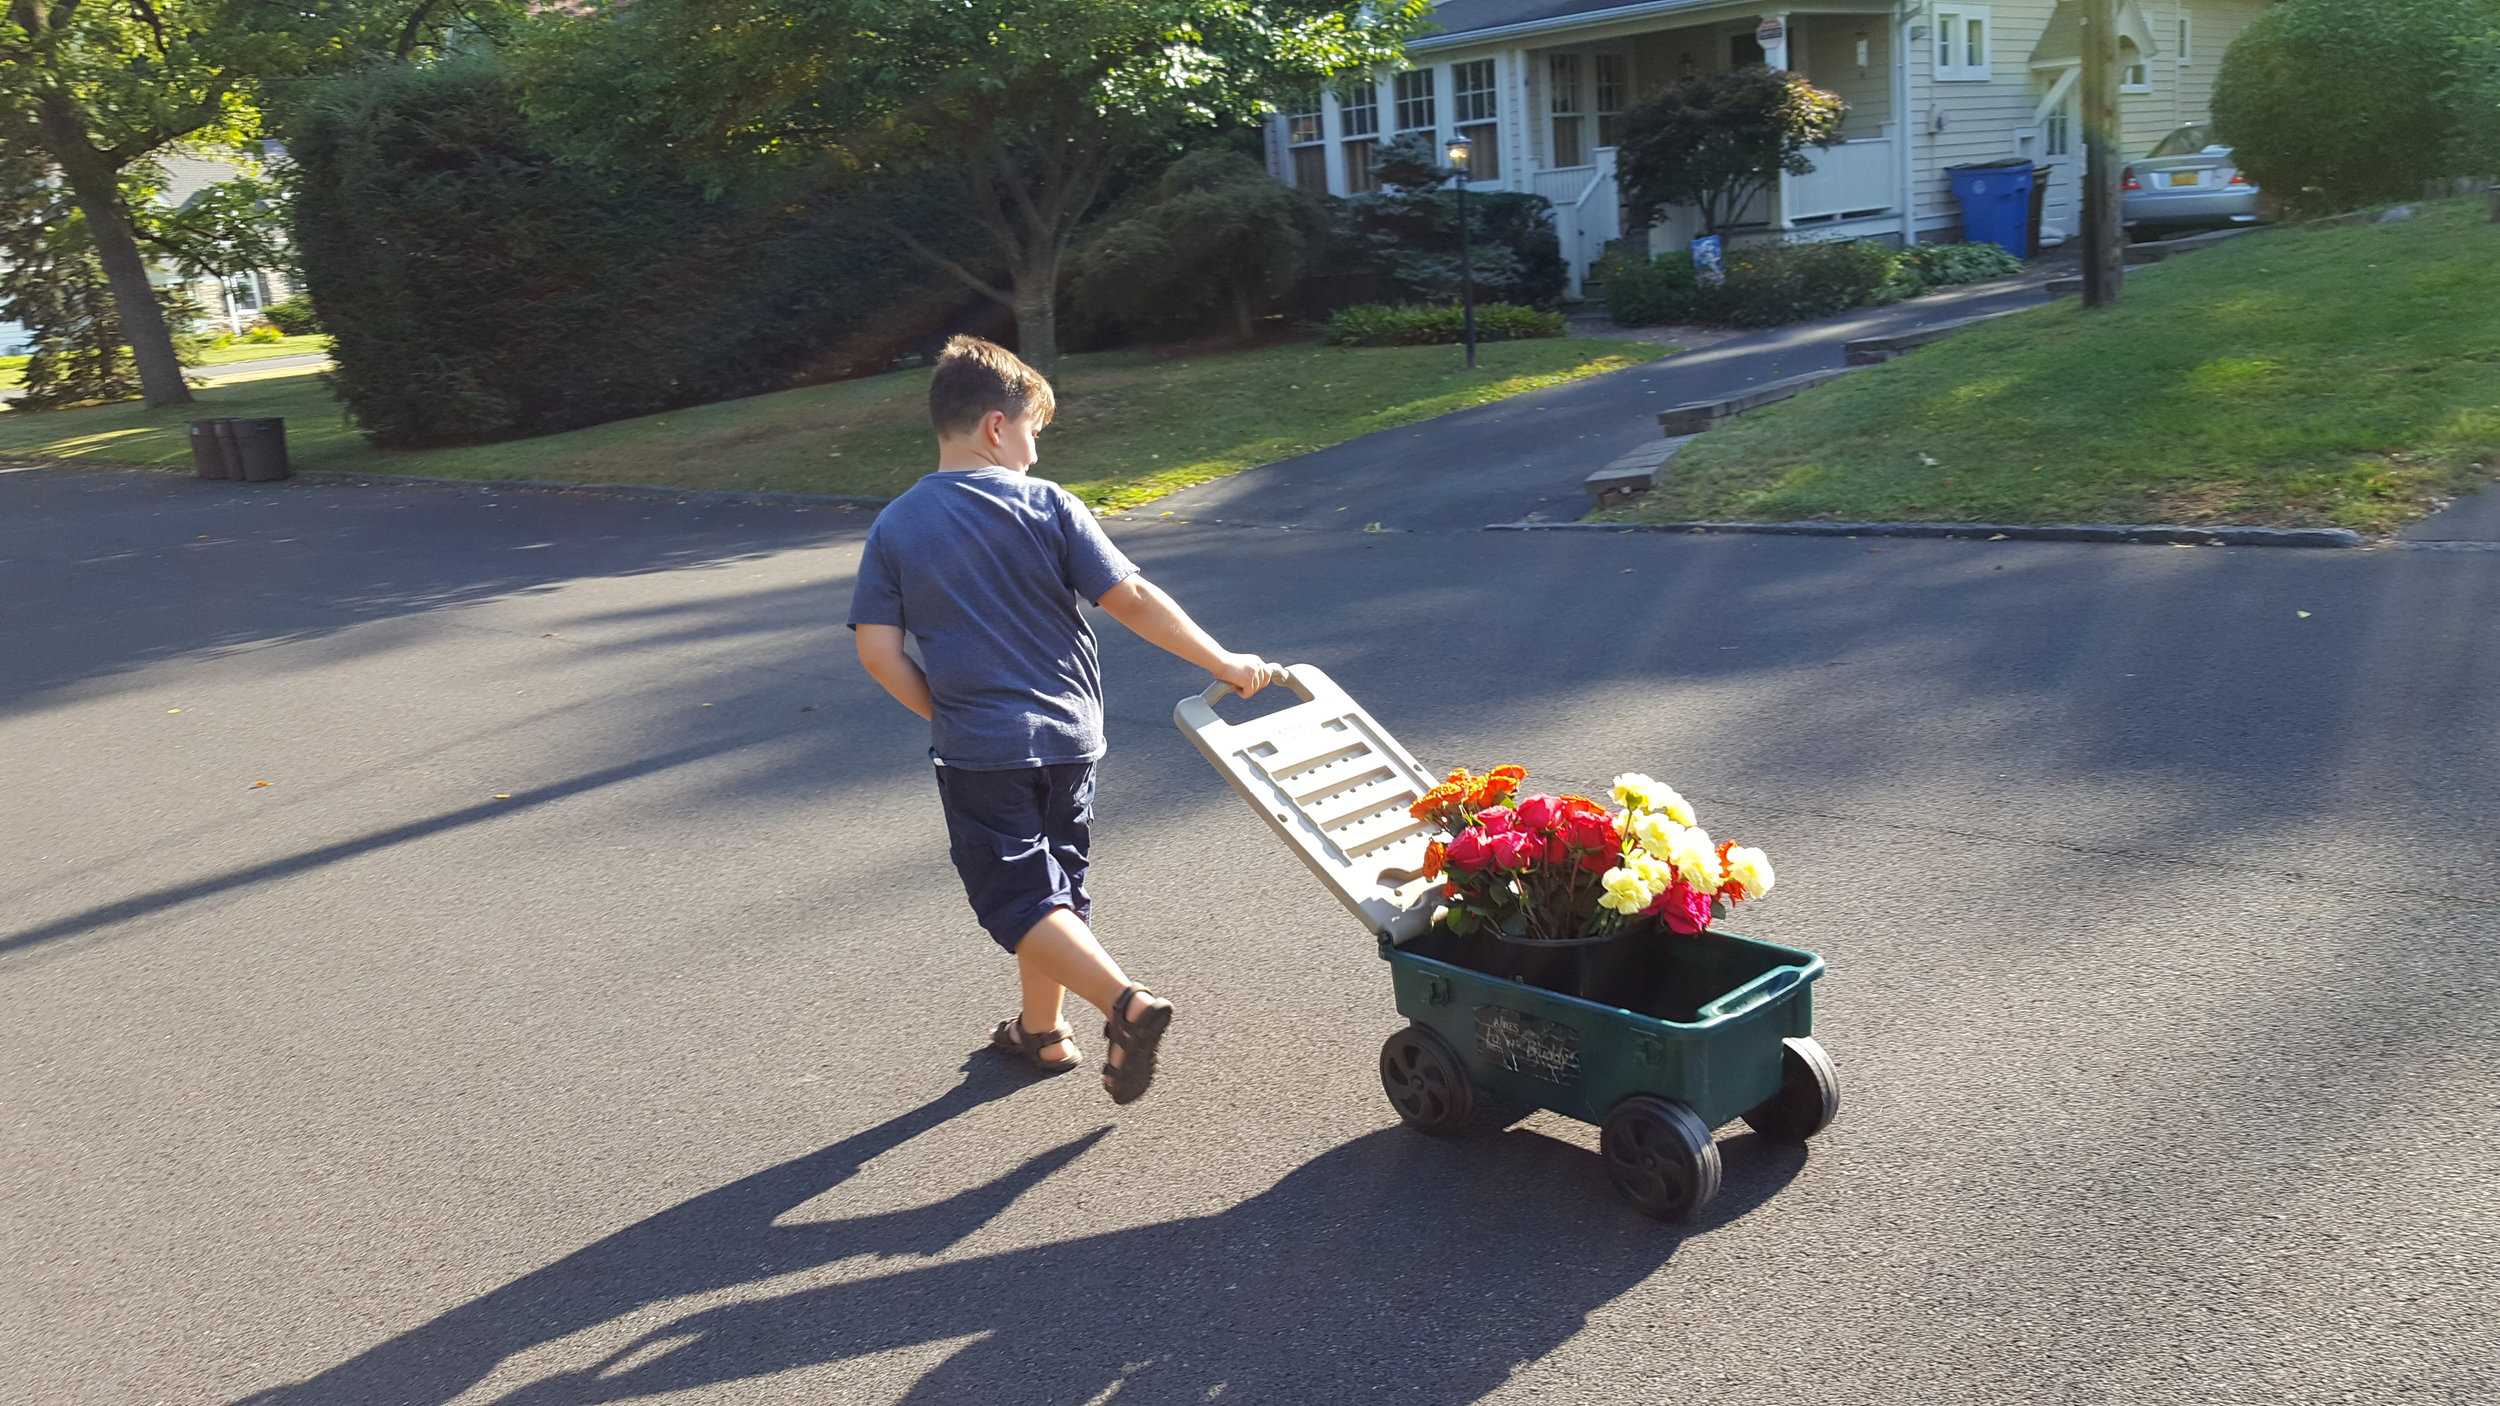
x=1809, y=1094
x=1660, y=1154
x=1425, y=1080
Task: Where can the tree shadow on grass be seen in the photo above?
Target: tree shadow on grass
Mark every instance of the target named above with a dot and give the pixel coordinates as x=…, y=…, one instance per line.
x=1395, y=1266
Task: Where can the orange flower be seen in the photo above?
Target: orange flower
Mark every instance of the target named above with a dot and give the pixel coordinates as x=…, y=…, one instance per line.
x=1452, y=792
x=1434, y=854
x=1729, y=888
x=1498, y=785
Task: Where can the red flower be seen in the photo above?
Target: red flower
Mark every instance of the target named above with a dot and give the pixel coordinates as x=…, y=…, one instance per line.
x=1539, y=813
x=1497, y=820
x=1686, y=909
x=1598, y=832
x=1517, y=850
x=1470, y=851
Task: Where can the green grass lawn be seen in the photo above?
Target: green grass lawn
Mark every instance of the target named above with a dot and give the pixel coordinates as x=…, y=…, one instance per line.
x=13, y=368
x=1132, y=426
x=2346, y=377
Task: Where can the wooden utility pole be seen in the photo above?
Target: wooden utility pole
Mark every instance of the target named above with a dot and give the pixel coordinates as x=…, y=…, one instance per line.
x=2104, y=237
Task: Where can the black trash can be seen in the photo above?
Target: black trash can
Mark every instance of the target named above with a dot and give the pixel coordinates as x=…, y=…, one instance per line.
x=212, y=453
x=259, y=449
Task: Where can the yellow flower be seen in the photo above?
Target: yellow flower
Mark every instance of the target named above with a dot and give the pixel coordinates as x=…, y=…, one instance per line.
x=1630, y=888
x=1638, y=793
x=1750, y=867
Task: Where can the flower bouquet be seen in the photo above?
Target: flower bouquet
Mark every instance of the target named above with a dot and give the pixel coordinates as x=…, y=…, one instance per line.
x=1565, y=868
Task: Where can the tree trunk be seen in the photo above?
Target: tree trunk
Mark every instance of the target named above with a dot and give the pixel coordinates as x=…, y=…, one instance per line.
x=96, y=186
x=1037, y=310
x=1241, y=310
x=2104, y=234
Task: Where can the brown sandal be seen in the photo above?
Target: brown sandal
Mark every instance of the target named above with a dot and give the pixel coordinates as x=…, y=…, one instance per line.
x=1011, y=1038
x=1136, y=1038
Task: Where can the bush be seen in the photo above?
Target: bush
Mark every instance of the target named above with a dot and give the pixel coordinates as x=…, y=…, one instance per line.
x=477, y=286
x=1218, y=233
x=1381, y=325
x=1936, y=265
x=293, y=316
x=1410, y=239
x=1643, y=292
x=263, y=332
x=2333, y=104
x=1766, y=285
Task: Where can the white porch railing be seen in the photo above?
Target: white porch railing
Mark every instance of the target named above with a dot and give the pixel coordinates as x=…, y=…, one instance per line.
x=1849, y=178
x=1588, y=210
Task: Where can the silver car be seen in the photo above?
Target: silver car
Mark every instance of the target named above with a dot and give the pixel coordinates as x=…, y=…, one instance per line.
x=2186, y=182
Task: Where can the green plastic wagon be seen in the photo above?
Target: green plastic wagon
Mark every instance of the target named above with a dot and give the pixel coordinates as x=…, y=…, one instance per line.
x=1656, y=1039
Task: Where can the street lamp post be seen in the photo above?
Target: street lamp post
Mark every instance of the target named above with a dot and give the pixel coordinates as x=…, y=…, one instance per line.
x=1458, y=151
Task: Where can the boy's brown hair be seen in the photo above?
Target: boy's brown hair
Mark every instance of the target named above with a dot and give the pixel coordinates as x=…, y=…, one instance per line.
x=975, y=377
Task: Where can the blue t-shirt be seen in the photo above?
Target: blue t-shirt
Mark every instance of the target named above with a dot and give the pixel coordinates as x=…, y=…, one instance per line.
x=984, y=568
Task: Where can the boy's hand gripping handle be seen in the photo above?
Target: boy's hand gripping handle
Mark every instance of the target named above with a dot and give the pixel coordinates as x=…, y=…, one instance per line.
x=1218, y=691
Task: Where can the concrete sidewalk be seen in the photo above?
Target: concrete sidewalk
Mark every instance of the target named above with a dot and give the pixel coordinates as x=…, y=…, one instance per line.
x=1522, y=459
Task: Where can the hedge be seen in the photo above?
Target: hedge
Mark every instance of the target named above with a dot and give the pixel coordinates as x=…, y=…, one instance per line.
x=1379, y=325
x=479, y=287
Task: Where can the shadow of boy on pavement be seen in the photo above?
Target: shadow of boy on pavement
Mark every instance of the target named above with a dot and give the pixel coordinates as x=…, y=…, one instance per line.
x=1392, y=1267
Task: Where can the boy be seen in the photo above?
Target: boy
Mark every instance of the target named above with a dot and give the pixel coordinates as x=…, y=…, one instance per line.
x=984, y=566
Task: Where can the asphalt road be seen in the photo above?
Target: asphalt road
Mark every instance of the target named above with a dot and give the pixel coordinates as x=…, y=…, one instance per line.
x=582, y=1010
x=1522, y=458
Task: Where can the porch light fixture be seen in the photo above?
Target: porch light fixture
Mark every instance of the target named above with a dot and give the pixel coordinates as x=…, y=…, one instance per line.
x=1458, y=150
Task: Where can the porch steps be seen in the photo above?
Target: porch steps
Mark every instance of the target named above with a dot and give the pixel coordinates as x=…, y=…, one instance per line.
x=1870, y=351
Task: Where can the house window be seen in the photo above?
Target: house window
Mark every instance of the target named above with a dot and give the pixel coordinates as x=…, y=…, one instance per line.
x=2057, y=135
x=2187, y=36
x=1358, y=117
x=1566, y=109
x=1415, y=106
x=1613, y=73
x=1306, y=150
x=1474, y=104
x=1471, y=91
x=2134, y=74
x=1961, y=44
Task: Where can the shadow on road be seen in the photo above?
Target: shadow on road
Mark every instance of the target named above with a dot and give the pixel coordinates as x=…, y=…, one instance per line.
x=1393, y=1266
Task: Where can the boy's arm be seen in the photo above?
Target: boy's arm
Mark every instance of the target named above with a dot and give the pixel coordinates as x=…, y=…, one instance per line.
x=881, y=654
x=1159, y=620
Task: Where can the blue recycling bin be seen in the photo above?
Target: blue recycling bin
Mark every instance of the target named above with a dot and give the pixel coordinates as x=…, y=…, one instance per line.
x=1996, y=204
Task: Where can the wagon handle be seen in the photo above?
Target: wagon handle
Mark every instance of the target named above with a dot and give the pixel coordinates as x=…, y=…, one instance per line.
x=1752, y=993
x=1218, y=691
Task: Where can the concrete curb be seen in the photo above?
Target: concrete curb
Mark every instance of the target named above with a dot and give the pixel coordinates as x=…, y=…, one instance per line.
x=2017, y=532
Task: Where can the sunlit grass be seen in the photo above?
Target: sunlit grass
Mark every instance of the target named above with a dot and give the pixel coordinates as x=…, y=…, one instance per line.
x=2346, y=377
x=1132, y=426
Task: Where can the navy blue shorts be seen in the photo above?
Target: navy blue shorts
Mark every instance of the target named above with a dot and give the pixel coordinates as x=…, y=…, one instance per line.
x=1019, y=839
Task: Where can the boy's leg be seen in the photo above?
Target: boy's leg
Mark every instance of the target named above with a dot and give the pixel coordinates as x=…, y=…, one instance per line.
x=1058, y=954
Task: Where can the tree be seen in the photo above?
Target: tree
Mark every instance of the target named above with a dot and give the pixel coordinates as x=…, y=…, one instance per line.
x=1219, y=228
x=1040, y=102
x=95, y=87
x=2331, y=104
x=51, y=284
x=1718, y=140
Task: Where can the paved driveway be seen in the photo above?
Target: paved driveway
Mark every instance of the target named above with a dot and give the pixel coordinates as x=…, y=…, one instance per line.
x=581, y=1011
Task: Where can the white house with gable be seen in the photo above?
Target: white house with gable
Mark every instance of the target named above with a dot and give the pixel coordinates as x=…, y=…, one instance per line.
x=1540, y=88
